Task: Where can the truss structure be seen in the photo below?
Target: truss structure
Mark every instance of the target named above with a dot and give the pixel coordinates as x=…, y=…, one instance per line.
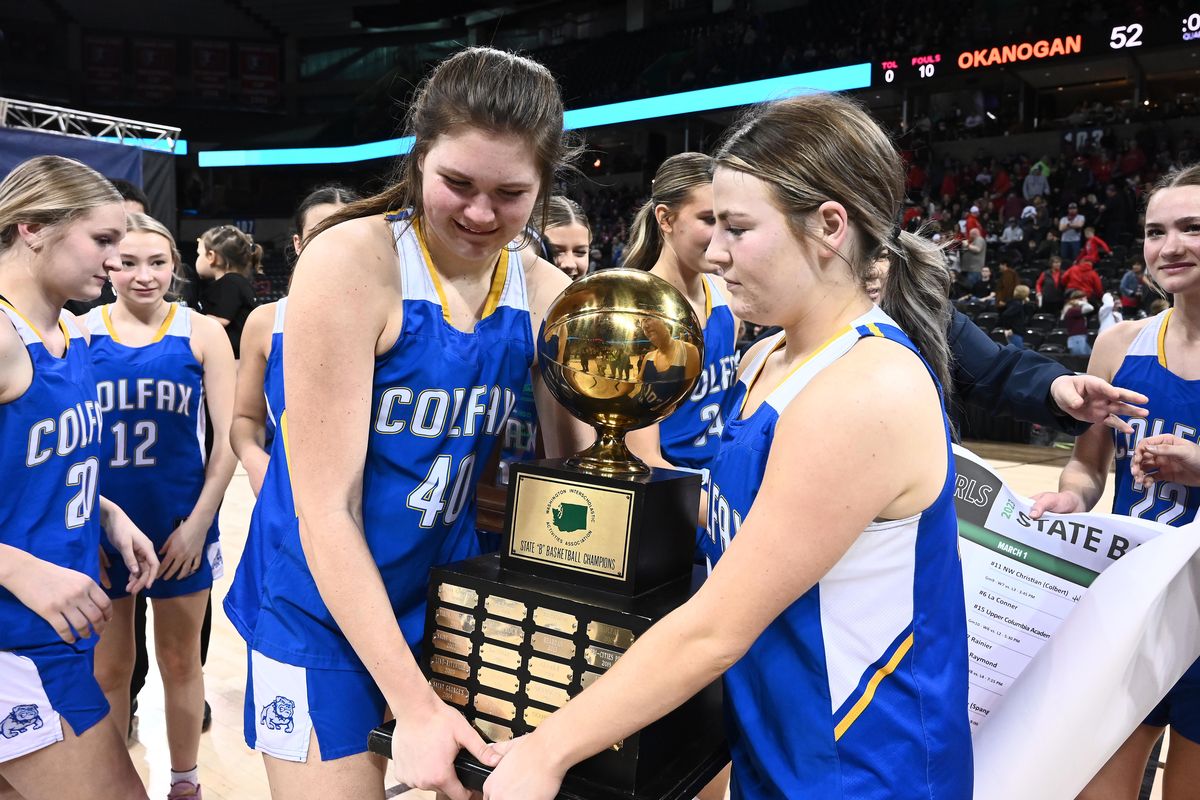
x=24, y=115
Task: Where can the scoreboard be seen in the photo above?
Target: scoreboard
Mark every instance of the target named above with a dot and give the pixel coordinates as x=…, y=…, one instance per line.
x=1119, y=37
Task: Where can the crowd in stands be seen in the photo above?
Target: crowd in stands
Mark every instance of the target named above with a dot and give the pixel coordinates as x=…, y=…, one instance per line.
x=1045, y=249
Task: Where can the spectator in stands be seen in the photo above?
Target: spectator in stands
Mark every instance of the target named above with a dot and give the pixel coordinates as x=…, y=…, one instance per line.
x=1109, y=313
x=1078, y=181
x=973, y=256
x=1006, y=283
x=569, y=236
x=1092, y=245
x=1070, y=227
x=1051, y=287
x=1012, y=232
x=1035, y=184
x=1074, y=320
x=1082, y=276
x=973, y=223
x=1116, y=218
x=983, y=290
x=228, y=258
x=1135, y=287
x=1015, y=316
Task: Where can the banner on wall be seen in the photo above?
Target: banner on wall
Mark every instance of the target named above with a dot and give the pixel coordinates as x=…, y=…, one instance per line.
x=155, y=69
x=210, y=69
x=1077, y=626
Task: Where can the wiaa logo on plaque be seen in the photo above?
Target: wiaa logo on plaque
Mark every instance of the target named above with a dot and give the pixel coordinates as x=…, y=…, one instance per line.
x=570, y=515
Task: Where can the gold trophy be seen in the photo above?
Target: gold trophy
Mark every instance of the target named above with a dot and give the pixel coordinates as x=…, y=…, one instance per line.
x=596, y=548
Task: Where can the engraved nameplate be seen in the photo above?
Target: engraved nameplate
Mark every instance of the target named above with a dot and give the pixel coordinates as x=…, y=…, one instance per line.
x=454, y=620
x=450, y=666
x=458, y=595
x=555, y=620
x=452, y=643
x=588, y=678
x=498, y=680
x=504, y=607
x=492, y=731
x=545, y=693
x=449, y=692
x=550, y=670
x=500, y=656
x=494, y=706
x=600, y=657
x=535, y=716
x=614, y=635
x=503, y=631
x=553, y=645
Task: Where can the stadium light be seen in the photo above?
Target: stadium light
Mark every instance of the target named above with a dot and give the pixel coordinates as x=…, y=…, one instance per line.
x=838, y=79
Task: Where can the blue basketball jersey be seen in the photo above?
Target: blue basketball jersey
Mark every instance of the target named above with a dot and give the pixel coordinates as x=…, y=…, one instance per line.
x=858, y=689
x=691, y=435
x=152, y=397
x=273, y=375
x=274, y=513
x=1174, y=408
x=49, y=468
x=440, y=399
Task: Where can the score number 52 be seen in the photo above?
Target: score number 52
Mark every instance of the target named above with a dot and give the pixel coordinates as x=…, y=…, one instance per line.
x=1124, y=36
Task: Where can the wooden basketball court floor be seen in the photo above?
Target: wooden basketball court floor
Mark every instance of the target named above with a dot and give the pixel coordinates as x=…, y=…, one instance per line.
x=230, y=771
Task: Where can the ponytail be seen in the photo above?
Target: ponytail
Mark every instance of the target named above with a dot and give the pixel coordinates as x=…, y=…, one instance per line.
x=916, y=295
x=645, y=239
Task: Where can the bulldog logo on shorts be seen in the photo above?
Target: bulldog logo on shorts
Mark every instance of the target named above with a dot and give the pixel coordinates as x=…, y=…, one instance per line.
x=19, y=720
x=277, y=714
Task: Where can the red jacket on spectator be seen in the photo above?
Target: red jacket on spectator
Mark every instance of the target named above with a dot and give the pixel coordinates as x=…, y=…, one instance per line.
x=1083, y=277
x=949, y=184
x=1092, y=247
x=973, y=222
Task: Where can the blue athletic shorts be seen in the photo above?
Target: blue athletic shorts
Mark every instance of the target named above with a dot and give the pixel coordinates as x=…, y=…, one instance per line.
x=40, y=687
x=1181, y=707
x=212, y=567
x=285, y=703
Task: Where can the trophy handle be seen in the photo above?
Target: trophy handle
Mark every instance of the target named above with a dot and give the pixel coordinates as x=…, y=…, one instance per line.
x=609, y=455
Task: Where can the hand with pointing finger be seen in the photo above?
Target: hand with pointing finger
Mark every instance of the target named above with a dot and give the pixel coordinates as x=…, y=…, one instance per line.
x=1088, y=398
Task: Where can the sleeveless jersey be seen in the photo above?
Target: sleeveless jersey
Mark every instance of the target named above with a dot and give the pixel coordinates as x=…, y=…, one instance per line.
x=1174, y=408
x=152, y=397
x=440, y=398
x=691, y=435
x=274, y=513
x=49, y=467
x=273, y=375
x=859, y=688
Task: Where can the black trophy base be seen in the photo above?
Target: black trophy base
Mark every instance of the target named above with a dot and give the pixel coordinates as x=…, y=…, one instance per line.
x=684, y=783
x=507, y=649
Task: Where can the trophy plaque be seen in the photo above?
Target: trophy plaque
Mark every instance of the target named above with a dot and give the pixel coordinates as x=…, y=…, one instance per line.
x=596, y=549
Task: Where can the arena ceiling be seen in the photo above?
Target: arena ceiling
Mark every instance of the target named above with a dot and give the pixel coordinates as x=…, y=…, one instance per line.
x=273, y=19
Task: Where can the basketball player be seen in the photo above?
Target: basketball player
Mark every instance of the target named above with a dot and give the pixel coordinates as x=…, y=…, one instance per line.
x=835, y=607
x=669, y=237
x=569, y=236
x=407, y=338
x=159, y=366
x=1159, y=357
x=60, y=224
x=259, y=399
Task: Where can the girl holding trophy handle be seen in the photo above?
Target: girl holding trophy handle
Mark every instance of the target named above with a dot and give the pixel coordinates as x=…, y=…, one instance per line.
x=834, y=612
x=409, y=333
